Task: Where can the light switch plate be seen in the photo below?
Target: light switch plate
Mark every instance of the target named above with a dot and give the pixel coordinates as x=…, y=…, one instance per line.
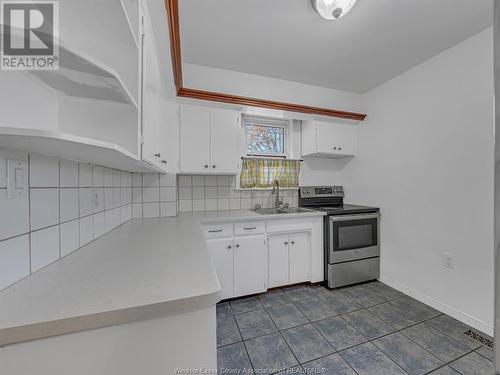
x=17, y=178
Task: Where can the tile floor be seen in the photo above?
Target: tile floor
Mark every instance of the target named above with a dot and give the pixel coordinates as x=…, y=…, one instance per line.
x=365, y=329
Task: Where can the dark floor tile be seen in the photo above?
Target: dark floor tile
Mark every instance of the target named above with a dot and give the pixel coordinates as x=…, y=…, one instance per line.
x=243, y=305
x=315, y=309
x=368, y=359
x=340, y=302
x=385, y=291
x=307, y=343
x=227, y=330
x=454, y=329
x=297, y=370
x=486, y=352
x=339, y=333
x=416, y=308
x=436, y=342
x=223, y=309
x=364, y=295
x=287, y=316
x=319, y=291
x=332, y=365
x=446, y=370
x=270, y=353
x=233, y=359
x=296, y=293
x=409, y=356
x=368, y=324
x=255, y=323
x=473, y=363
x=274, y=298
x=395, y=317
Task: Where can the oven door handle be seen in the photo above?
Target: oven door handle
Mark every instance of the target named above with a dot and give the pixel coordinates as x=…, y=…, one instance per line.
x=354, y=217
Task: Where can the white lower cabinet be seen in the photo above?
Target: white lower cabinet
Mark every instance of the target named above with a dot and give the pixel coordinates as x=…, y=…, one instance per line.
x=289, y=259
x=221, y=252
x=240, y=265
x=252, y=256
x=249, y=265
x=299, y=252
x=278, y=260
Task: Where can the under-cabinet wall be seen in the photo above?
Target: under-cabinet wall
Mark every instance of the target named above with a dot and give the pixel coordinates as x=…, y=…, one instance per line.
x=212, y=193
x=66, y=206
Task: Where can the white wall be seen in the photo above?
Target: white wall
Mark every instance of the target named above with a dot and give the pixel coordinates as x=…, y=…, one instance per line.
x=426, y=158
x=231, y=82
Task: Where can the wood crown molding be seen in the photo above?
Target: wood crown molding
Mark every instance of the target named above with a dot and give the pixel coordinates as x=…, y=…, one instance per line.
x=172, y=7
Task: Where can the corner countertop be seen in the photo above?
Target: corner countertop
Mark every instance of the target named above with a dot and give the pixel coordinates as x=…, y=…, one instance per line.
x=141, y=270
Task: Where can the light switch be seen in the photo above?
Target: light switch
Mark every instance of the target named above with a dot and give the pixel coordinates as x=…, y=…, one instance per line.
x=20, y=178
x=17, y=177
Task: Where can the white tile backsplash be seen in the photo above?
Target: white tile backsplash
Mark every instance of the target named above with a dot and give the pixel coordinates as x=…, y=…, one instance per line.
x=14, y=260
x=150, y=210
x=70, y=237
x=86, y=230
x=84, y=175
x=44, y=247
x=210, y=193
x=167, y=194
x=60, y=213
x=44, y=208
x=68, y=173
x=14, y=215
x=44, y=171
x=68, y=202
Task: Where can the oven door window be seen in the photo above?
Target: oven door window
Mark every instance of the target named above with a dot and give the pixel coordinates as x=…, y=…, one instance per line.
x=354, y=234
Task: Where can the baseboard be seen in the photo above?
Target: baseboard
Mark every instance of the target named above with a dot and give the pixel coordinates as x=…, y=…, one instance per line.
x=451, y=311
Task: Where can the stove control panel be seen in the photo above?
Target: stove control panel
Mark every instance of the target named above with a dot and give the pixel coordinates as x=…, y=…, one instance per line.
x=321, y=191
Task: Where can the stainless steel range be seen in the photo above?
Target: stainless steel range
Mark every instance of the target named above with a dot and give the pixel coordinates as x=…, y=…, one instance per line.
x=351, y=232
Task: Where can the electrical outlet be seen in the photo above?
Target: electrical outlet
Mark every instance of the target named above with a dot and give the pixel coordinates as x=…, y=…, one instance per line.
x=449, y=261
x=96, y=198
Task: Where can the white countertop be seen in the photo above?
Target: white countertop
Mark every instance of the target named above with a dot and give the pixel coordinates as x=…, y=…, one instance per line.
x=141, y=270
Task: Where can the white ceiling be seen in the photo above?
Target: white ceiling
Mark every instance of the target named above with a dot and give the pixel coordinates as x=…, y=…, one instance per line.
x=376, y=41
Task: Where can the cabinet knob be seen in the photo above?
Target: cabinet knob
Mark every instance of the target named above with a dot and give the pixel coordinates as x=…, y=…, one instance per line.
x=286, y=243
x=157, y=155
x=340, y=148
x=206, y=165
x=237, y=245
x=229, y=247
x=213, y=166
x=293, y=242
x=164, y=161
x=334, y=148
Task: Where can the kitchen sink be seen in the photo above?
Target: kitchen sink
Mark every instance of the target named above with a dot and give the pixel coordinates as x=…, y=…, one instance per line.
x=276, y=211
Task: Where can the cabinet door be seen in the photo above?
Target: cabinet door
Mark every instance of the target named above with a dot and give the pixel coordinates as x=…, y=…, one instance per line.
x=221, y=252
x=224, y=131
x=300, y=255
x=336, y=139
x=194, y=136
x=169, y=136
x=150, y=109
x=278, y=261
x=250, y=266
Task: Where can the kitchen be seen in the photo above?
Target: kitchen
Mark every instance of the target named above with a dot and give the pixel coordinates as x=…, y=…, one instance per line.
x=313, y=191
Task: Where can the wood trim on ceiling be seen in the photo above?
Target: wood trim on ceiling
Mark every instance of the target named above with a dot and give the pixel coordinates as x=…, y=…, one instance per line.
x=172, y=7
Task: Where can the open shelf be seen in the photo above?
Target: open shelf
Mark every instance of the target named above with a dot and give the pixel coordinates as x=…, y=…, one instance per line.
x=68, y=146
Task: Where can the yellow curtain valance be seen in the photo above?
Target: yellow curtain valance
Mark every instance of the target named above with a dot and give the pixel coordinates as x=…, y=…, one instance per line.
x=261, y=173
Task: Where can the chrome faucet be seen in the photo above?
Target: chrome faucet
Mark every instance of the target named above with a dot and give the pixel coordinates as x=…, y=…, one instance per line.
x=276, y=190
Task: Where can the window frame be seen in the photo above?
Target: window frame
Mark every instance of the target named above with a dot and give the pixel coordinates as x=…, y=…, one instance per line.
x=270, y=123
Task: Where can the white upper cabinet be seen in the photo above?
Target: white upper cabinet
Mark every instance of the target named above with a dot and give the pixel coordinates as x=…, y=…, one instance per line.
x=209, y=140
x=328, y=140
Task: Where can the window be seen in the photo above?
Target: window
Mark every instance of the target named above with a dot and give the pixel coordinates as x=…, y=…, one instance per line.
x=266, y=137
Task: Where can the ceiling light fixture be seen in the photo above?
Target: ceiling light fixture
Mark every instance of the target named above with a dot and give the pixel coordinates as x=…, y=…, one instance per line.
x=333, y=9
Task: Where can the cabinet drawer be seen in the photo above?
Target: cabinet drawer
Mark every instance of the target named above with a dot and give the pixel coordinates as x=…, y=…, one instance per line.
x=249, y=228
x=218, y=230
x=287, y=225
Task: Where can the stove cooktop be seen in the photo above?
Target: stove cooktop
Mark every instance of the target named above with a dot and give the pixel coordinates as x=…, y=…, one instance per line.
x=345, y=209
